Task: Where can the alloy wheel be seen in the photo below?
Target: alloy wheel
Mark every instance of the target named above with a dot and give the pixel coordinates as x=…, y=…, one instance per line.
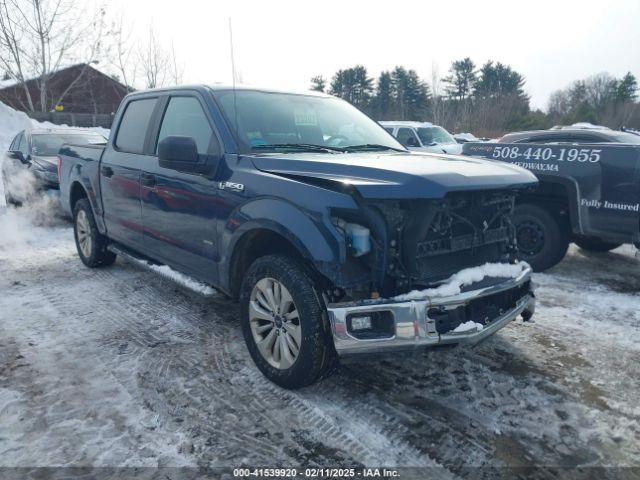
x=275, y=324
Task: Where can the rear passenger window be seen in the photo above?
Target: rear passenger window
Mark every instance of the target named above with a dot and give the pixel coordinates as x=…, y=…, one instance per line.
x=133, y=126
x=184, y=116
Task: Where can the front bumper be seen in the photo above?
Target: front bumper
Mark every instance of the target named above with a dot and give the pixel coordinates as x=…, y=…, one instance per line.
x=416, y=324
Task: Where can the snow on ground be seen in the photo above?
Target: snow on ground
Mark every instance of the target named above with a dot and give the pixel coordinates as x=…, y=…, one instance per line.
x=122, y=367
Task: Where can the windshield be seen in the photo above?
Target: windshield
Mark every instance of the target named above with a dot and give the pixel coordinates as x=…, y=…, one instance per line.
x=431, y=135
x=274, y=121
x=48, y=144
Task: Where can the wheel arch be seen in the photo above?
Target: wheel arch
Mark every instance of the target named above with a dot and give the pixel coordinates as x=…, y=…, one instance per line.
x=270, y=225
x=558, y=196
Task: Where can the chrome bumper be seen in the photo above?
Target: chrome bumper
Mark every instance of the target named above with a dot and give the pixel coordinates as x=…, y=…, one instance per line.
x=412, y=326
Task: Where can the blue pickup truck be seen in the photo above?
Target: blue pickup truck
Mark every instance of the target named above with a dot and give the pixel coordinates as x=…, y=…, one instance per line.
x=335, y=239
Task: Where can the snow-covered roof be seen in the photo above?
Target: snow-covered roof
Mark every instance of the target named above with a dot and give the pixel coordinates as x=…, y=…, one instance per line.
x=580, y=126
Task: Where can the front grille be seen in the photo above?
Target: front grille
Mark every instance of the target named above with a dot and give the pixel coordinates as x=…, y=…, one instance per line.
x=463, y=230
x=482, y=310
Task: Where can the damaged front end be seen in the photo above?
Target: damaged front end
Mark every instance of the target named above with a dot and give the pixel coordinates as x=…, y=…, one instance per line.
x=416, y=245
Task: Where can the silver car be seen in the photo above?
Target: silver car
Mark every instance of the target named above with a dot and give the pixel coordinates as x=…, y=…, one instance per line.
x=423, y=137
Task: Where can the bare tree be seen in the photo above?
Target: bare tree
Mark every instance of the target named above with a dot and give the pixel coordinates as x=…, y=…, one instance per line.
x=12, y=31
x=42, y=36
x=177, y=70
x=122, y=53
x=154, y=62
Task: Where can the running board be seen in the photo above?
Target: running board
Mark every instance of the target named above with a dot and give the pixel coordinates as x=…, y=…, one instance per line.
x=166, y=271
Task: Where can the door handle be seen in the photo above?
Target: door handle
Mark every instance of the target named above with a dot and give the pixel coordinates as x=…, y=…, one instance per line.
x=148, y=180
x=107, y=171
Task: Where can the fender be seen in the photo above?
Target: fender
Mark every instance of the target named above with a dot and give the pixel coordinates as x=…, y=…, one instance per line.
x=573, y=197
x=84, y=174
x=316, y=241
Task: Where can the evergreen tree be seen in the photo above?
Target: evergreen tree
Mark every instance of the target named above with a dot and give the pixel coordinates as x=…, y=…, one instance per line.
x=499, y=80
x=383, y=102
x=353, y=85
x=318, y=83
x=411, y=94
x=460, y=82
x=627, y=88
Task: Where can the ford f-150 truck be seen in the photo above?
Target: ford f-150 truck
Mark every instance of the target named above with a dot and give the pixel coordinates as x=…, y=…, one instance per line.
x=335, y=239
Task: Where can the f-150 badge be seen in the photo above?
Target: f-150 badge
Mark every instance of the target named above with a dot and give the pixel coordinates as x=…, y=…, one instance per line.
x=238, y=187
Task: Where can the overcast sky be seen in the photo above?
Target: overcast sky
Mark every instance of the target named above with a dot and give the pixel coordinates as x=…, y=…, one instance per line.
x=284, y=43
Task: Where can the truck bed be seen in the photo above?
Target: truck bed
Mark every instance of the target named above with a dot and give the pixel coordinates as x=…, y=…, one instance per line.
x=80, y=164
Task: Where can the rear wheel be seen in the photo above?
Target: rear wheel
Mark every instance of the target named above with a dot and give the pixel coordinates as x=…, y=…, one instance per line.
x=542, y=238
x=284, y=322
x=91, y=244
x=595, y=244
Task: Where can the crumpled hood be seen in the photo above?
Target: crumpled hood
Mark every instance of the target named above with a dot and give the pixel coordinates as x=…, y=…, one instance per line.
x=399, y=175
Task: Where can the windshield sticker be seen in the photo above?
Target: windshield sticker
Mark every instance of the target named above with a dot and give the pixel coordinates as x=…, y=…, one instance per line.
x=305, y=118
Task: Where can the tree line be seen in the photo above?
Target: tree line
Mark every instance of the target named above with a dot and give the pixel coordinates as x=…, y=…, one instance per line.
x=488, y=100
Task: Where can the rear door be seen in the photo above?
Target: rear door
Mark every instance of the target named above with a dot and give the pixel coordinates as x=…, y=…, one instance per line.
x=180, y=210
x=120, y=172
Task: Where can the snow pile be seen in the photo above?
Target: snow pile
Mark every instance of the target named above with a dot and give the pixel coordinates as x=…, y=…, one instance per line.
x=468, y=276
x=11, y=122
x=467, y=326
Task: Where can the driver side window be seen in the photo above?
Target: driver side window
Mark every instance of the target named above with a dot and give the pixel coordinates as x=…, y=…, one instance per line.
x=407, y=137
x=24, y=145
x=16, y=142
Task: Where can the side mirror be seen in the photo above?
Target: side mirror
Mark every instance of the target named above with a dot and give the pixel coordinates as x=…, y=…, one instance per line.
x=17, y=155
x=180, y=153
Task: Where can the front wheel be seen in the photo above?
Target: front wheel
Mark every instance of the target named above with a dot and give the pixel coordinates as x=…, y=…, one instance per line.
x=595, y=244
x=91, y=244
x=9, y=198
x=543, y=239
x=284, y=322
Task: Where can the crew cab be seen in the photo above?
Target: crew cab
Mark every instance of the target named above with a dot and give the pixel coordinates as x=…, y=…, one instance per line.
x=335, y=239
x=589, y=190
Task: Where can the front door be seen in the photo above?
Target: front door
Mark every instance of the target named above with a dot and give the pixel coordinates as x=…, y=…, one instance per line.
x=179, y=210
x=120, y=174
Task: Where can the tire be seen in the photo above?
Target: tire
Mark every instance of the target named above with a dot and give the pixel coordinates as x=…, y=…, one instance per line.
x=543, y=239
x=91, y=244
x=279, y=276
x=9, y=198
x=595, y=244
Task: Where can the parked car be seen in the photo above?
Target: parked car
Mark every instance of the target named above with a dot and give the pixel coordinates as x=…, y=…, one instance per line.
x=30, y=166
x=308, y=213
x=589, y=190
x=423, y=137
